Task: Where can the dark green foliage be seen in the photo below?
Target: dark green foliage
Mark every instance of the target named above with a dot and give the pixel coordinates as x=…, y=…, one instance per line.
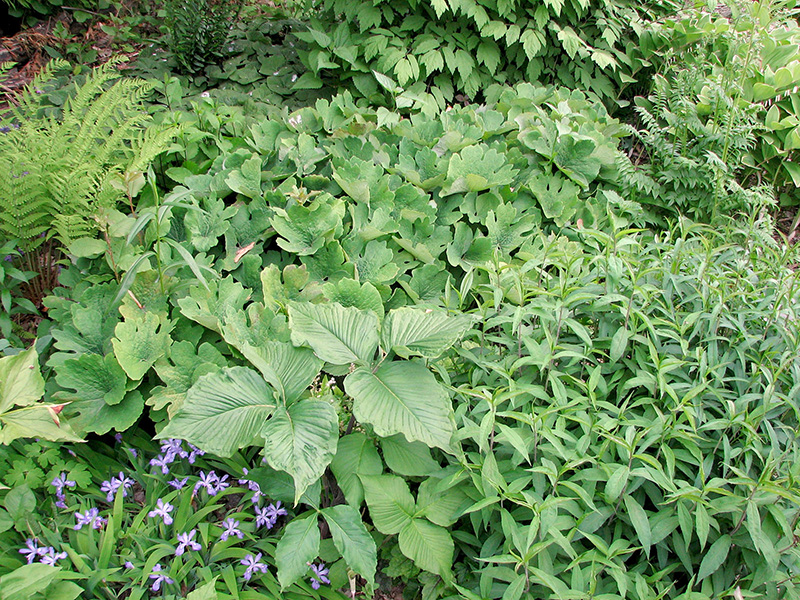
x=462, y=46
x=198, y=30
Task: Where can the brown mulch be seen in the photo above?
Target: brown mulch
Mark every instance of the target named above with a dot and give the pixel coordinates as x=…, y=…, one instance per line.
x=787, y=222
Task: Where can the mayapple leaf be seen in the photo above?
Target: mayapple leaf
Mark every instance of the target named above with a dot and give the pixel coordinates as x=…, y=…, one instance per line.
x=94, y=377
x=184, y=366
x=297, y=548
x=355, y=456
x=558, y=197
x=424, y=332
x=21, y=382
x=211, y=306
x=352, y=540
x=402, y=397
x=349, y=292
x=289, y=369
x=94, y=415
x=574, y=158
x=304, y=229
x=246, y=180
x=301, y=440
x=373, y=262
x=429, y=546
x=390, y=502
x=223, y=411
x=337, y=335
x=140, y=342
x=506, y=231
x=475, y=169
x=356, y=177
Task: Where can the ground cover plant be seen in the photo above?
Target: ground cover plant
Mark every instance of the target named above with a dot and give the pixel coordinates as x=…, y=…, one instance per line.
x=318, y=347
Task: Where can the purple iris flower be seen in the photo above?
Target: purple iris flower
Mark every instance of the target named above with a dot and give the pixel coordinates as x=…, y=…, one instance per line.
x=112, y=485
x=178, y=483
x=253, y=565
x=163, y=509
x=159, y=577
x=160, y=461
x=32, y=550
x=320, y=575
x=231, y=528
x=50, y=557
x=187, y=540
x=90, y=517
x=194, y=453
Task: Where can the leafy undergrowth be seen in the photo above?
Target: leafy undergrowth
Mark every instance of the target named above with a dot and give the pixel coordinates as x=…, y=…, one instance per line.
x=323, y=349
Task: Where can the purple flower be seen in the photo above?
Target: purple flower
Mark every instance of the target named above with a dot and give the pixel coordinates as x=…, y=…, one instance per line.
x=50, y=557
x=61, y=482
x=212, y=483
x=32, y=550
x=253, y=564
x=163, y=510
x=231, y=528
x=172, y=448
x=195, y=452
x=159, y=578
x=90, y=517
x=221, y=484
x=5, y=129
x=118, y=437
x=112, y=485
x=178, y=483
x=161, y=461
x=263, y=518
x=133, y=452
x=320, y=575
x=128, y=564
x=187, y=539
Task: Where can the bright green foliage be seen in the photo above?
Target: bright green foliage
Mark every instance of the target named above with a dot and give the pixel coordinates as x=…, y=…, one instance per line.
x=21, y=415
x=437, y=50
x=38, y=582
x=198, y=30
x=63, y=170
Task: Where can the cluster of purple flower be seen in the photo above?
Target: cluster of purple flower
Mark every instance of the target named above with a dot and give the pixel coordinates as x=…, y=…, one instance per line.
x=159, y=577
x=47, y=554
x=90, y=517
x=60, y=483
x=253, y=564
x=112, y=485
x=320, y=575
x=162, y=510
x=212, y=483
x=170, y=450
x=268, y=515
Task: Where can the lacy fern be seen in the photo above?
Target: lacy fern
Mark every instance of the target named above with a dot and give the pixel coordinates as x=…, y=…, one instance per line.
x=59, y=170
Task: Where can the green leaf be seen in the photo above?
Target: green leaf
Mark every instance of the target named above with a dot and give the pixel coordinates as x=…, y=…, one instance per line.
x=205, y=592
x=402, y=397
x=440, y=507
x=20, y=502
x=26, y=581
x=412, y=459
x=210, y=307
x=298, y=547
x=304, y=229
x=356, y=455
x=489, y=55
x=641, y=525
x=223, y=411
x=301, y=441
x=390, y=503
x=574, y=157
x=424, y=332
x=558, y=197
x=715, y=556
x=337, y=334
x=21, y=382
x=94, y=377
x=353, y=540
x=289, y=369
x=95, y=415
x=617, y=482
x=140, y=342
x=246, y=179
x=87, y=247
x=475, y=169
x=429, y=546
x=703, y=524
x=619, y=344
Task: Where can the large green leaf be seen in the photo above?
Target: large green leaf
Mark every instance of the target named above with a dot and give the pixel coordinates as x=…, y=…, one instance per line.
x=353, y=540
x=140, y=342
x=429, y=546
x=402, y=397
x=442, y=507
x=94, y=377
x=94, y=415
x=337, y=334
x=223, y=411
x=40, y=421
x=21, y=381
x=288, y=368
x=355, y=455
x=390, y=503
x=301, y=440
x=412, y=459
x=298, y=547
x=409, y=330
x=26, y=581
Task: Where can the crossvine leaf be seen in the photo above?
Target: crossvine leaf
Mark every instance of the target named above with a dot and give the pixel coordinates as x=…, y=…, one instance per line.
x=402, y=397
x=301, y=441
x=223, y=411
x=423, y=332
x=298, y=547
x=337, y=335
x=390, y=503
x=353, y=540
x=355, y=456
x=429, y=546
